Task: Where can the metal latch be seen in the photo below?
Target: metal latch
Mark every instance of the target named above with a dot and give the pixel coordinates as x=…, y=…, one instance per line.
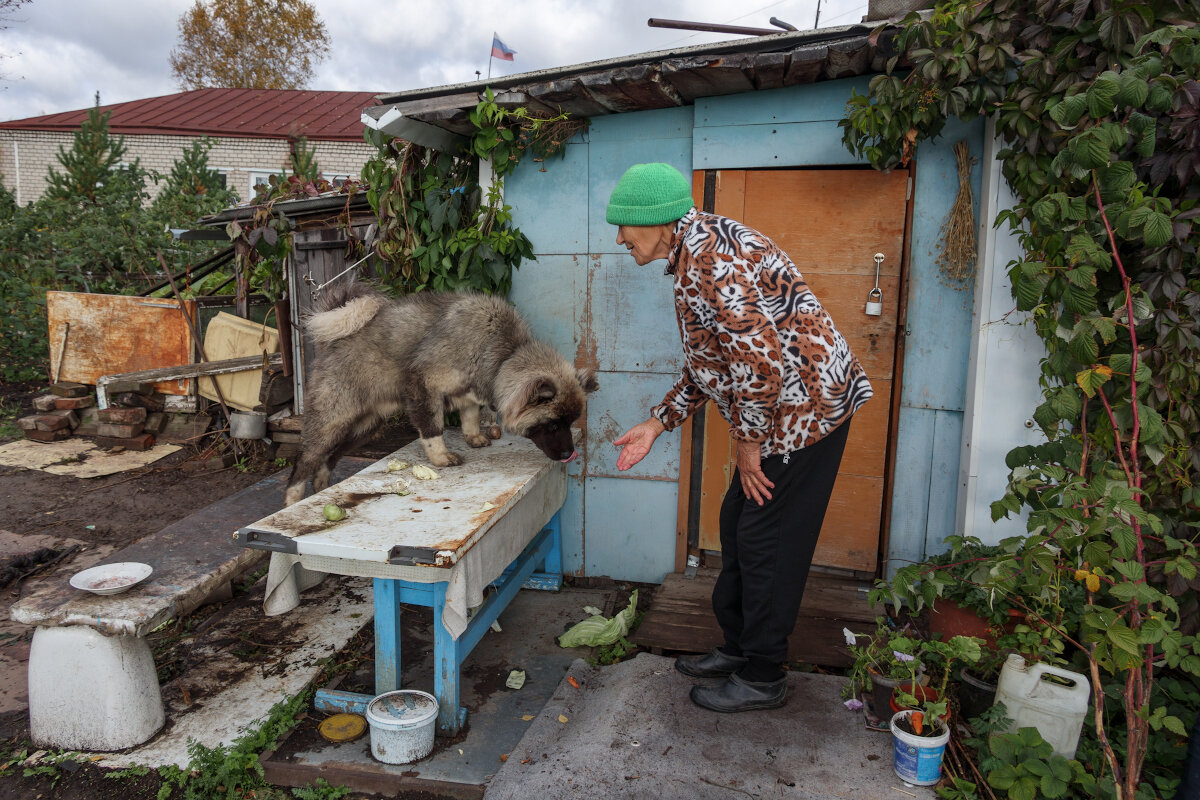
x=875, y=296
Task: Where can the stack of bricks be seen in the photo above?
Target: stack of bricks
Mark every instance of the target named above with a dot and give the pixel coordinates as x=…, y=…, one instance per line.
x=60, y=413
x=134, y=420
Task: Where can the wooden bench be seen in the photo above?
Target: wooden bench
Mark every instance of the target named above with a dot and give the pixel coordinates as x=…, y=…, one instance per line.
x=92, y=679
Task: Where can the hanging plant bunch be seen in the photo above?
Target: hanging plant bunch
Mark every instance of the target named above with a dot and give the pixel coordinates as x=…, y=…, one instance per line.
x=1096, y=106
x=438, y=228
x=261, y=246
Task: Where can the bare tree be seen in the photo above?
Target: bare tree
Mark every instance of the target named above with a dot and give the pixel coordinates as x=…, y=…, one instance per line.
x=7, y=7
x=248, y=44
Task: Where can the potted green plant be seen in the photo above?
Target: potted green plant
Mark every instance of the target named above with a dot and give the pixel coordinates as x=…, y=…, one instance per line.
x=920, y=725
x=881, y=662
x=965, y=589
x=977, y=682
x=939, y=658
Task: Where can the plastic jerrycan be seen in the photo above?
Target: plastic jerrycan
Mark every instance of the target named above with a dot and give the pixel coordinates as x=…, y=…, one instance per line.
x=1056, y=708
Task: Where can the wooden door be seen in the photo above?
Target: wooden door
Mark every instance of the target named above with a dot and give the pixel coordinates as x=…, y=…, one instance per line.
x=831, y=223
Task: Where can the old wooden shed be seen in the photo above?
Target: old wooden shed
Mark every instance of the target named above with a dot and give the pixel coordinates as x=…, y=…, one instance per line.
x=755, y=122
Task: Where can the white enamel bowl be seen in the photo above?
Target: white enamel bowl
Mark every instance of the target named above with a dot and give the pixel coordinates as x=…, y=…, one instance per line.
x=111, y=578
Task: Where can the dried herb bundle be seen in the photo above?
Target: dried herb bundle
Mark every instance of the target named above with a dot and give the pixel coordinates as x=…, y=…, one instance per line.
x=957, y=257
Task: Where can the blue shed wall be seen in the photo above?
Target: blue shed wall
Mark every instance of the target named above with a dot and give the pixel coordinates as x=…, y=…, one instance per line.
x=586, y=296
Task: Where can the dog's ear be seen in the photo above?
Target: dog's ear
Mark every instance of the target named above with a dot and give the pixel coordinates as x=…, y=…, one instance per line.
x=587, y=380
x=526, y=396
x=542, y=391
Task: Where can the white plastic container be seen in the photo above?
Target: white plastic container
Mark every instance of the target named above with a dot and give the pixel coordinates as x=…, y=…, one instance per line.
x=918, y=759
x=402, y=725
x=1056, y=708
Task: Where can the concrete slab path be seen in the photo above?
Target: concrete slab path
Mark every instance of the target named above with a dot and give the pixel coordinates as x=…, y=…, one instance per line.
x=630, y=731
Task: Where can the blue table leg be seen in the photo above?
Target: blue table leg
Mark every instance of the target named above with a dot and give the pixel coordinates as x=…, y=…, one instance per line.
x=545, y=550
x=448, y=655
x=387, y=635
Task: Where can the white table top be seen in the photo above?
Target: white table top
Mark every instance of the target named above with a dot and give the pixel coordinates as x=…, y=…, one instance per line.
x=436, y=524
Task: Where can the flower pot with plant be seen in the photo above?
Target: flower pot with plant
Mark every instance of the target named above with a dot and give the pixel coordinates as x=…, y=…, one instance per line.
x=940, y=659
x=918, y=746
x=881, y=662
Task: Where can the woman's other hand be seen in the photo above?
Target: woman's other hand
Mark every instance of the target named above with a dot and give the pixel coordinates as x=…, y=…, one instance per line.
x=636, y=442
x=749, y=464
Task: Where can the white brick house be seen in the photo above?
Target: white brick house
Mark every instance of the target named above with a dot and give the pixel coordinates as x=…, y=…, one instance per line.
x=250, y=128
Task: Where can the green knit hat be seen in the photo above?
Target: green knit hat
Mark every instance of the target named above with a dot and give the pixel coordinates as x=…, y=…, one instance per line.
x=649, y=194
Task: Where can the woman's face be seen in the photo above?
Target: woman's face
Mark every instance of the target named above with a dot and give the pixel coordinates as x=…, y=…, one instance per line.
x=645, y=242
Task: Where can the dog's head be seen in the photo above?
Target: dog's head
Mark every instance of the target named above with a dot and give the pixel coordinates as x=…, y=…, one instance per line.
x=542, y=407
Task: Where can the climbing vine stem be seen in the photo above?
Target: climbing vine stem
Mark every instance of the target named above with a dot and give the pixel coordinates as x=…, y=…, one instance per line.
x=438, y=228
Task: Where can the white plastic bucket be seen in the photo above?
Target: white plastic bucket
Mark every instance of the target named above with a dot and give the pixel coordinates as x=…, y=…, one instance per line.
x=247, y=424
x=918, y=759
x=402, y=725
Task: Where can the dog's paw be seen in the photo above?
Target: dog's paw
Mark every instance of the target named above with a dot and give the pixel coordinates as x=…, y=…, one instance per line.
x=492, y=431
x=450, y=459
x=477, y=440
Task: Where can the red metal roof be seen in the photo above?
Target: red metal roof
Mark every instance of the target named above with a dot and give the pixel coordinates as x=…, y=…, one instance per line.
x=255, y=113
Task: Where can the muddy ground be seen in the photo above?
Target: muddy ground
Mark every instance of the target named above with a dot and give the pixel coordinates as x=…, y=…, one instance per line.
x=40, y=510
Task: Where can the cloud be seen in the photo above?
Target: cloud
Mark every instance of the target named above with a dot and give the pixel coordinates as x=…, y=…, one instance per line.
x=63, y=51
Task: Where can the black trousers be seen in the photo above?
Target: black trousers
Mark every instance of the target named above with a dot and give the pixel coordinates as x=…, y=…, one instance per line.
x=766, y=551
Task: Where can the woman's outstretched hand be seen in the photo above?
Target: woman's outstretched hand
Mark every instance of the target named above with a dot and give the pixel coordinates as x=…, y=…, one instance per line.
x=636, y=442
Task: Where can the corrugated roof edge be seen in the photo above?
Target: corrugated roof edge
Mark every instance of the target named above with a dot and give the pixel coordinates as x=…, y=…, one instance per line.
x=775, y=41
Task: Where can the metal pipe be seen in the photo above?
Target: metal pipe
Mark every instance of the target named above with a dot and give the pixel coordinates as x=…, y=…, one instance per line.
x=708, y=27
x=787, y=26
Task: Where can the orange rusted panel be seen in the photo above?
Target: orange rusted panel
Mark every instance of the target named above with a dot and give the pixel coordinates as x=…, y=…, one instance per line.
x=831, y=223
x=100, y=334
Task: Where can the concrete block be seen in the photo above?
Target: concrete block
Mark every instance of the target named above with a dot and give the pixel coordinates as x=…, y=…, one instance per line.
x=45, y=402
x=89, y=421
x=143, y=441
x=210, y=464
x=136, y=387
x=69, y=389
x=155, y=422
x=88, y=691
x=122, y=416
x=70, y=416
x=72, y=403
x=150, y=402
x=48, y=436
x=50, y=421
x=119, y=430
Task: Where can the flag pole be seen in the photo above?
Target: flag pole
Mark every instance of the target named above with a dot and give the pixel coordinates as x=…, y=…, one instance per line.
x=490, y=56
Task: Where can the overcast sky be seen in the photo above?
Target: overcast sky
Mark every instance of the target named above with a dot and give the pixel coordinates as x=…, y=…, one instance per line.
x=59, y=53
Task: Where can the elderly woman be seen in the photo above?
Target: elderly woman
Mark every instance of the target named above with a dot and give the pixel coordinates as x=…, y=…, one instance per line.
x=758, y=344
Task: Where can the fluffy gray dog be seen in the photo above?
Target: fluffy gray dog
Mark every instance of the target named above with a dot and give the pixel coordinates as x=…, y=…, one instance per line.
x=427, y=354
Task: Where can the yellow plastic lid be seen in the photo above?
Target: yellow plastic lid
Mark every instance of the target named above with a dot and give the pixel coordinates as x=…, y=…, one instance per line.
x=342, y=727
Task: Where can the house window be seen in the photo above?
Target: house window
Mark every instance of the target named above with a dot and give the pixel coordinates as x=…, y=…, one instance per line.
x=260, y=176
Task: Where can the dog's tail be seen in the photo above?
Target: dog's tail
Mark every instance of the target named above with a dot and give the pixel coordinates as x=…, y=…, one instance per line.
x=342, y=310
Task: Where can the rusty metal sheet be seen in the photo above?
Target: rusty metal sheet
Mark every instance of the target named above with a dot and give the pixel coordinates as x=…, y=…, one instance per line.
x=99, y=334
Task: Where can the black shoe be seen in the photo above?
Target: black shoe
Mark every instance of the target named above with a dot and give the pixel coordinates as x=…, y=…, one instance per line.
x=736, y=694
x=714, y=664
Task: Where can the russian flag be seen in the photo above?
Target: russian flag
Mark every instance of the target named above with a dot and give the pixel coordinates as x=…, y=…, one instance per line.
x=500, y=50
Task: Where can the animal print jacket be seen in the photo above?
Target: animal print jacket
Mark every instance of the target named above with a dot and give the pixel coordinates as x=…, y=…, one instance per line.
x=755, y=339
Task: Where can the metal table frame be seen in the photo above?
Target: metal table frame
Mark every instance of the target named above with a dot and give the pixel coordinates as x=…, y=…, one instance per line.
x=544, y=550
